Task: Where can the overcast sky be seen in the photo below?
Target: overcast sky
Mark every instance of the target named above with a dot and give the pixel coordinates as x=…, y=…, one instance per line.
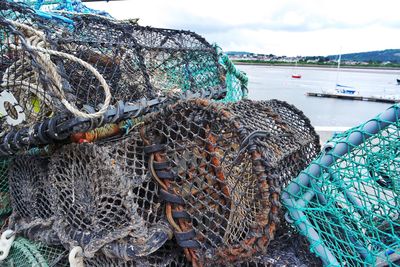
x=291, y=27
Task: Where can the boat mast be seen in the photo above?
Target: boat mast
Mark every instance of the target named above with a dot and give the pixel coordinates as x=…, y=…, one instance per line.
x=338, y=67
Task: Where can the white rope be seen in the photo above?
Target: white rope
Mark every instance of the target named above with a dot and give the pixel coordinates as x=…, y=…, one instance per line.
x=23, y=77
x=75, y=257
x=98, y=76
x=37, y=42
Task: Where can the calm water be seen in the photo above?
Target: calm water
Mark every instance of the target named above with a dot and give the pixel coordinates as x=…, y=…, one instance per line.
x=267, y=82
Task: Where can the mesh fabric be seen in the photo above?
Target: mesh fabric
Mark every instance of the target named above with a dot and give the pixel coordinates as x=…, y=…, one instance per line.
x=347, y=202
x=25, y=253
x=31, y=198
x=136, y=62
x=220, y=172
x=5, y=207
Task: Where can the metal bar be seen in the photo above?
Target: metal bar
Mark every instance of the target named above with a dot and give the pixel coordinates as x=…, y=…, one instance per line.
x=305, y=227
x=43, y=131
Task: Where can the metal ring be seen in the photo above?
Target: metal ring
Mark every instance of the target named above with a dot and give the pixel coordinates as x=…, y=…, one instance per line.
x=6, y=143
x=41, y=134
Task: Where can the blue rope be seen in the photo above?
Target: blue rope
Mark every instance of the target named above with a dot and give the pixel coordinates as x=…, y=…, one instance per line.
x=47, y=15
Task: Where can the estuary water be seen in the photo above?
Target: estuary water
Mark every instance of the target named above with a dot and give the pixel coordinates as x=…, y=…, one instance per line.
x=269, y=82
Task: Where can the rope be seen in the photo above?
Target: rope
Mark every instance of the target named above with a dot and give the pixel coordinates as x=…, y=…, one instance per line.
x=37, y=43
x=23, y=83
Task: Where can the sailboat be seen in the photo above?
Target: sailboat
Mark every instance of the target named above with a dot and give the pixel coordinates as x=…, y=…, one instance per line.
x=343, y=89
x=296, y=75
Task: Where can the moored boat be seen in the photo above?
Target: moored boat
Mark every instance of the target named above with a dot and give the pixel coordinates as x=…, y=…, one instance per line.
x=295, y=75
x=346, y=90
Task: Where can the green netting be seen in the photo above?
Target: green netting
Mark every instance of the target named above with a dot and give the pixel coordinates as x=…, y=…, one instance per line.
x=5, y=207
x=347, y=202
x=236, y=80
x=25, y=253
x=20, y=255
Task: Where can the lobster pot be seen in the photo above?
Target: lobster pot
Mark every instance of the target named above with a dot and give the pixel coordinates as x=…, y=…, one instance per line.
x=219, y=172
x=26, y=253
x=140, y=62
x=347, y=201
x=97, y=196
x=97, y=70
x=207, y=174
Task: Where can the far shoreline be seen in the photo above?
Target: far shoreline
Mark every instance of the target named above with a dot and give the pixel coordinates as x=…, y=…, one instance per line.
x=396, y=70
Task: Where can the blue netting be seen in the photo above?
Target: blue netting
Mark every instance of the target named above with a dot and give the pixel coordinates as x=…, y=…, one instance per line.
x=64, y=5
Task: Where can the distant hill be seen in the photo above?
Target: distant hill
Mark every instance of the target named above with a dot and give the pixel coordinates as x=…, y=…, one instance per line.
x=392, y=55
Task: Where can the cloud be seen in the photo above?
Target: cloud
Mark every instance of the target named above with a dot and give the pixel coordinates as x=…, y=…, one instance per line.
x=292, y=27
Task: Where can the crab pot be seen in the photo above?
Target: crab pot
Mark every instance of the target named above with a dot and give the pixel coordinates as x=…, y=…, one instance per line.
x=220, y=170
x=52, y=71
x=347, y=201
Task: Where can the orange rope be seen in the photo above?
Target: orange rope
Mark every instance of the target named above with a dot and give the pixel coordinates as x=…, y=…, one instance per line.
x=107, y=130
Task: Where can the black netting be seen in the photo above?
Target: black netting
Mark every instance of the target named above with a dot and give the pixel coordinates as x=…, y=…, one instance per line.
x=211, y=172
x=288, y=248
x=98, y=204
x=220, y=172
x=51, y=69
x=32, y=198
x=5, y=207
x=168, y=256
x=87, y=199
x=190, y=182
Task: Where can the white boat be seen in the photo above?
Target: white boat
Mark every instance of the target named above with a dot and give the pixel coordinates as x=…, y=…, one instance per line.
x=345, y=90
x=341, y=89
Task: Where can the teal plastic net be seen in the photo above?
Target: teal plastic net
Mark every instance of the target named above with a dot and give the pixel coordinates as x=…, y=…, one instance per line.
x=63, y=5
x=236, y=81
x=347, y=202
x=25, y=253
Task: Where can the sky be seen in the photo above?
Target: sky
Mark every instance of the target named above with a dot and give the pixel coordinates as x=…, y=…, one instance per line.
x=280, y=27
